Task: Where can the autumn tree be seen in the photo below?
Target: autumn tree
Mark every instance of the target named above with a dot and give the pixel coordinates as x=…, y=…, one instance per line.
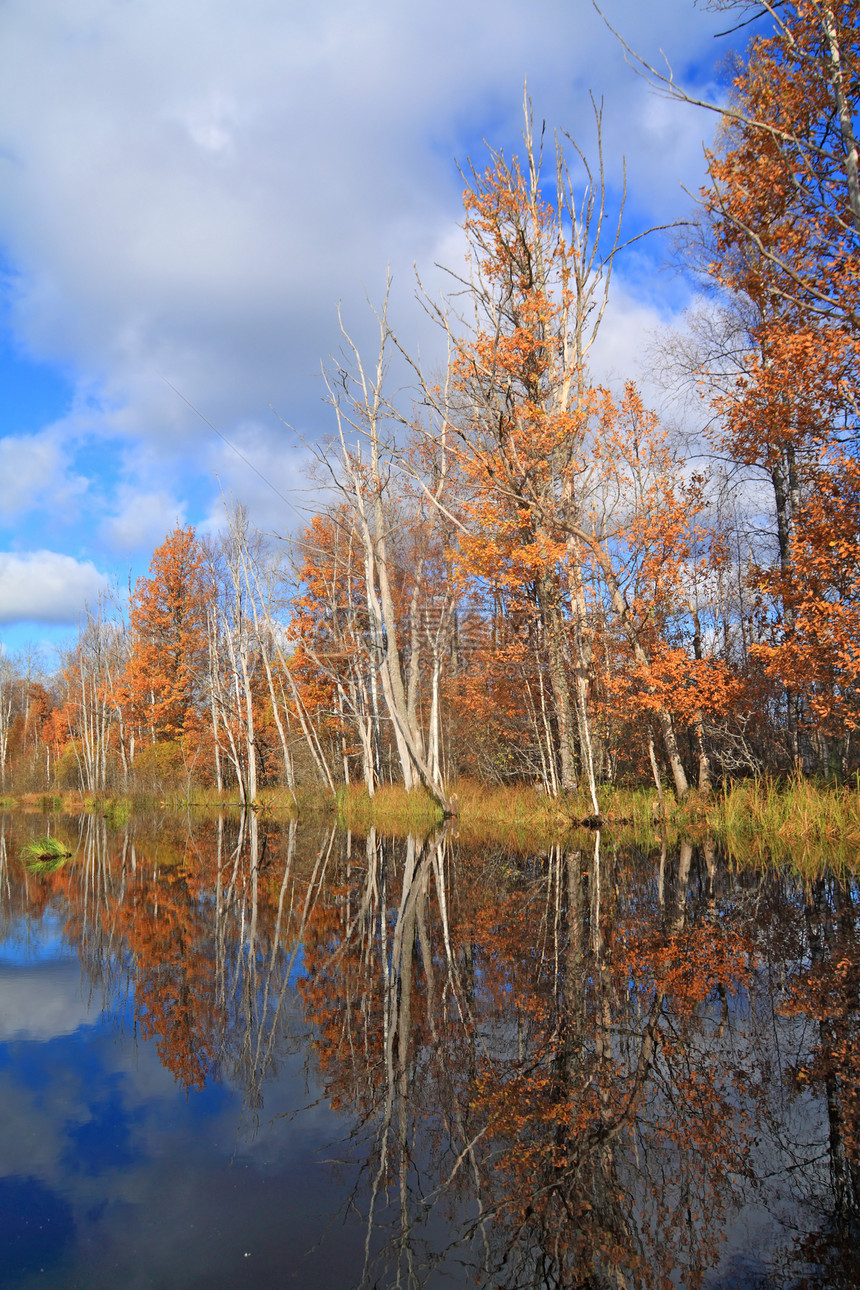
x=247, y=704
x=27, y=707
x=8, y=688
x=165, y=674
x=816, y=653
x=365, y=466
x=87, y=709
x=784, y=194
x=331, y=662
x=777, y=345
x=538, y=286
x=784, y=211
x=664, y=550
x=524, y=422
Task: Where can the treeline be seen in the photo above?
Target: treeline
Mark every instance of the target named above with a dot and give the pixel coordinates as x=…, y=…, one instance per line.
x=521, y=575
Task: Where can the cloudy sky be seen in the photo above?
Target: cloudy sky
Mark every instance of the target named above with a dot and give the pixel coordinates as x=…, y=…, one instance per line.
x=188, y=190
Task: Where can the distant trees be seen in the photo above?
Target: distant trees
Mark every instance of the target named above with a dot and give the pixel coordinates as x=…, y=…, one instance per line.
x=27, y=702
x=92, y=724
x=7, y=703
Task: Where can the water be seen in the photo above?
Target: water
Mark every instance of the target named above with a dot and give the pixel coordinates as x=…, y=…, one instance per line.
x=252, y=1055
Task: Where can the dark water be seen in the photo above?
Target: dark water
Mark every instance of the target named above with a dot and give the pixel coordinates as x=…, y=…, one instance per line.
x=255, y=1056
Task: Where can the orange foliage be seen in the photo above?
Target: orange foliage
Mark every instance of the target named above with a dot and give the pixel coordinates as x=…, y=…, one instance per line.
x=165, y=676
x=818, y=653
x=785, y=208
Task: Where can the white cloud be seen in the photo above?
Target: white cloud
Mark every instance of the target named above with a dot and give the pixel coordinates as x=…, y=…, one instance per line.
x=265, y=466
x=141, y=520
x=627, y=326
x=46, y=587
x=31, y=468
x=42, y=1002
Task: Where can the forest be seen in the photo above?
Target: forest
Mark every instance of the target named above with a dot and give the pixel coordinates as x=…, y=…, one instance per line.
x=522, y=576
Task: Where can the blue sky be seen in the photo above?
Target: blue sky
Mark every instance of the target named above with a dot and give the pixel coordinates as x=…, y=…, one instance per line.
x=188, y=191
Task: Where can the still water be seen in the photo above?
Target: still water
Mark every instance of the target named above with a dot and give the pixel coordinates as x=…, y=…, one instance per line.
x=243, y=1054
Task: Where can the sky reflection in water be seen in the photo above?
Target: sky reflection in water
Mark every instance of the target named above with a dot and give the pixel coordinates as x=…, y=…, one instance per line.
x=228, y=1057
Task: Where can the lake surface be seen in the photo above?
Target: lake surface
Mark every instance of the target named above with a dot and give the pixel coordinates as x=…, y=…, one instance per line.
x=267, y=1056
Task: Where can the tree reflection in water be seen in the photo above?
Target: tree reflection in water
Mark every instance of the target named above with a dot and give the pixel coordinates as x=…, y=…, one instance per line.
x=586, y=1068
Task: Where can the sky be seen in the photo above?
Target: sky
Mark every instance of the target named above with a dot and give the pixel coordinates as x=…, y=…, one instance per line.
x=188, y=192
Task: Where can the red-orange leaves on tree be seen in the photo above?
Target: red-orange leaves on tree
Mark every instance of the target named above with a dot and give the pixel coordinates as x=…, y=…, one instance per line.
x=785, y=195
x=817, y=651
x=166, y=671
x=784, y=203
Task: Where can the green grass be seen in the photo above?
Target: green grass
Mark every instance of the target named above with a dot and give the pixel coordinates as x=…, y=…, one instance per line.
x=803, y=821
x=391, y=809
x=45, y=855
x=517, y=815
x=116, y=810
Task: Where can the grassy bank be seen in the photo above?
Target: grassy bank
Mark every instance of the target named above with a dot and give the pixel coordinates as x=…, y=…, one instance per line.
x=753, y=819
x=760, y=820
x=120, y=807
x=515, y=816
x=767, y=818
